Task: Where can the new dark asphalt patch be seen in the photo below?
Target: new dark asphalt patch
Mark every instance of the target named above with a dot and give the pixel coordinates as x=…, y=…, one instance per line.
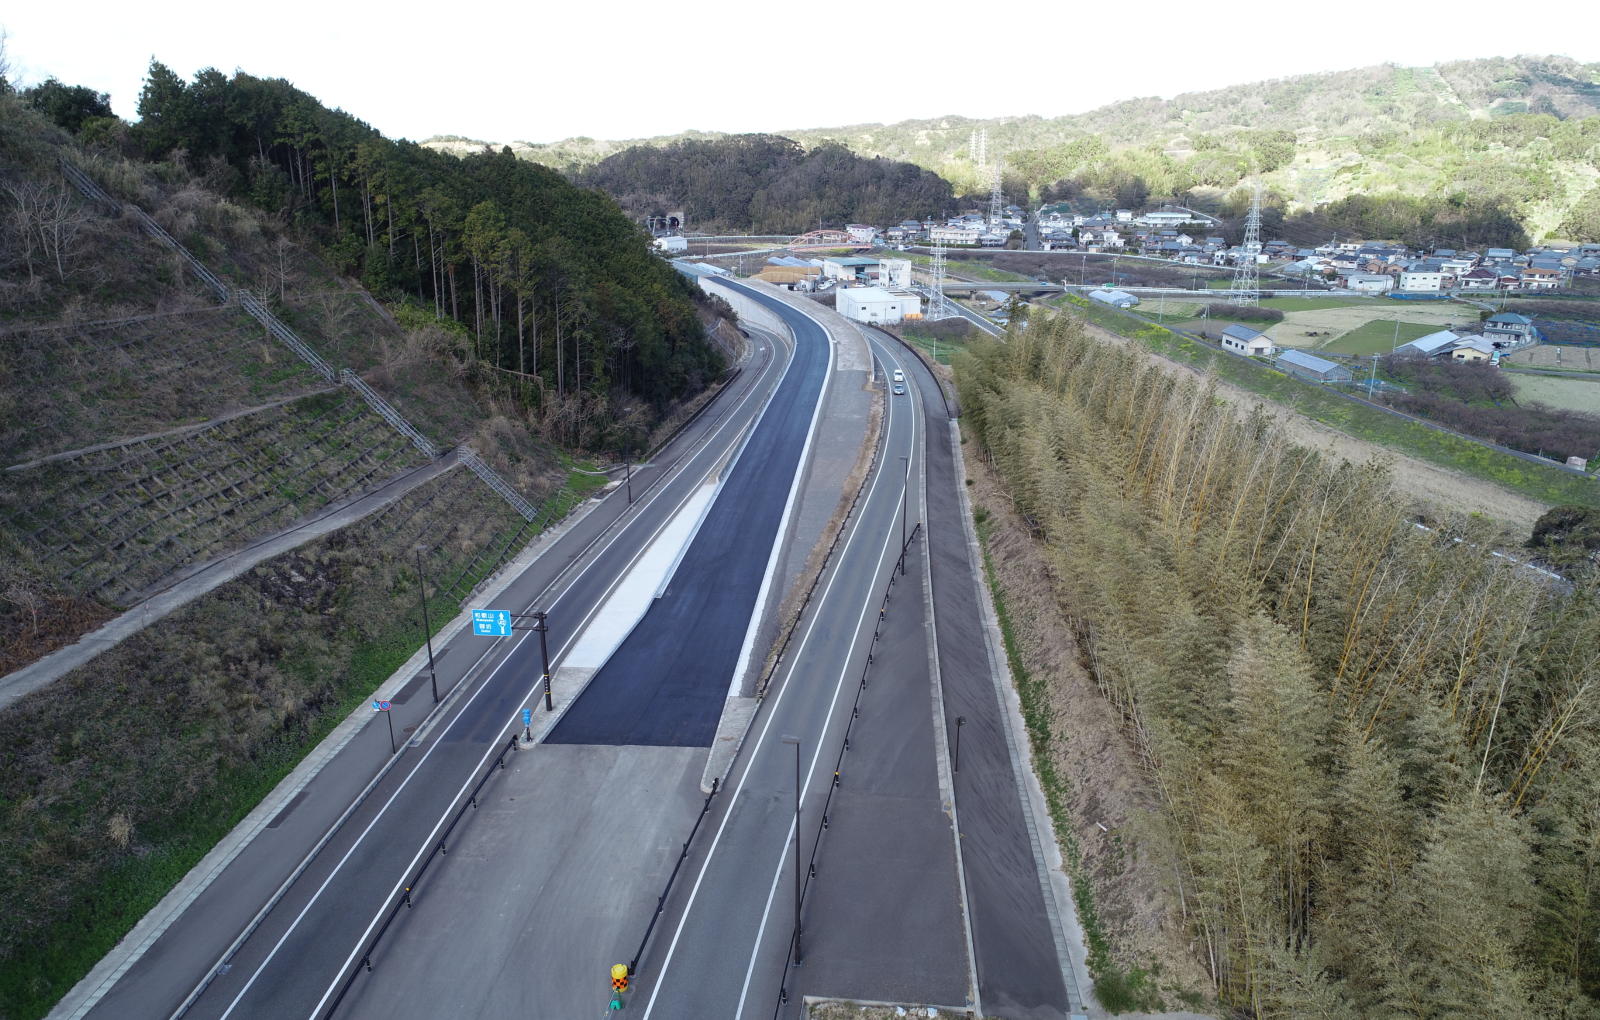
x=667, y=684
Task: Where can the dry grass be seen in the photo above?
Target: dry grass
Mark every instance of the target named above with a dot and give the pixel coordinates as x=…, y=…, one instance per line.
x=1573, y=359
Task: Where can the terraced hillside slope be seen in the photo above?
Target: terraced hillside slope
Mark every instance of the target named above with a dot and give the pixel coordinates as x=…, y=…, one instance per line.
x=150, y=421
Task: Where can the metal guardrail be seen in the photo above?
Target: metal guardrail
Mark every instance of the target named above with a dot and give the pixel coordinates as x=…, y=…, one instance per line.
x=403, y=898
x=85, y=184
x=661, y=901
x=389, y=414
x=498, y=484
x=275, y=326
x=838, y=767
x=258, y=311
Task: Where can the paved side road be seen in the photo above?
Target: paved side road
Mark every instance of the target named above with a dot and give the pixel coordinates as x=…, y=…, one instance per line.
x=1023, y=960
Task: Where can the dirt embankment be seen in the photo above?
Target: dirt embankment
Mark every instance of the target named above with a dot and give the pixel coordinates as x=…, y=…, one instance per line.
x=1438, y=490
x=1108, y=795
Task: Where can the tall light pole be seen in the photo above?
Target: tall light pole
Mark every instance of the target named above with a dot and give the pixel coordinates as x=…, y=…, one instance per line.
x=798, y=956
x=427, y=628
x=542, y=625
x=629, y=470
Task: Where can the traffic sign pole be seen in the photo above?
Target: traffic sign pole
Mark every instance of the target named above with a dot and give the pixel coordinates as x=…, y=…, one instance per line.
x=384, y=707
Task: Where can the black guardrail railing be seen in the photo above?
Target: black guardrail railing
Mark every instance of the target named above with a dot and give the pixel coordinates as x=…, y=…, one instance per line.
x=403, y=897
x=838, y=766
x=661, y=901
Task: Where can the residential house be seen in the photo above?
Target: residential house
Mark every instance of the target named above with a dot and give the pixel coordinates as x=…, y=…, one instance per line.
x=1510, y=326
x=1247, y=341
x=1367, y=283
x=947, y=234
x=1475, y=349
x=1312, y=368
x=1539, y=279
x=1478, y=279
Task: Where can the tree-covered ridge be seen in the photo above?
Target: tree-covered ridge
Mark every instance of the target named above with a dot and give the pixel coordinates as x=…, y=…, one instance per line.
x=1373, y=749
x=1507, y=138
x=767, y=184
x=552, y=285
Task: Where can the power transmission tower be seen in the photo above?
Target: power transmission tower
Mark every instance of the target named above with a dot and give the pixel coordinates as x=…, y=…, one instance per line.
x=936, y=303
x=996, y=200
x=1246, y=289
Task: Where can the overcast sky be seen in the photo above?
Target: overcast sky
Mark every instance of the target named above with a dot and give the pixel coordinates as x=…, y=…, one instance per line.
x=541, y=71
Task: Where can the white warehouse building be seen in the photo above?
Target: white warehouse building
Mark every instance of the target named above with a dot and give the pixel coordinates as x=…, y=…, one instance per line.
x=874, y=304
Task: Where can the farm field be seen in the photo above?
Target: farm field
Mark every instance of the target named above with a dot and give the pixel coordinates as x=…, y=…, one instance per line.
x=1378, y=337
x=1325, y=327
x=1558, y=391
x=1571, y=359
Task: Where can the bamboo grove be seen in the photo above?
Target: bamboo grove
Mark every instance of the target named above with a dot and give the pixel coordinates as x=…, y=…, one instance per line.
x=554, y=290
x=1375, y=746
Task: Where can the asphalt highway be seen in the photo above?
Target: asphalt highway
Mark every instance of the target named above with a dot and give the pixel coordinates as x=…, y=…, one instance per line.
x=300, y=949
x=667, y=684
x=722, y=950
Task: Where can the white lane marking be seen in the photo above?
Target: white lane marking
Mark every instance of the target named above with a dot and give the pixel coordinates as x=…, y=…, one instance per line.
x=659, y=493
x=838, y=691
x=753, y=628
x=760, y=742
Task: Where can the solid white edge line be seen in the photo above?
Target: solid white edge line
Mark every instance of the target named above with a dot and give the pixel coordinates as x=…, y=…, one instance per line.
x=757, y=611
x=766, y=727
x=483, y=684
x=827, y=718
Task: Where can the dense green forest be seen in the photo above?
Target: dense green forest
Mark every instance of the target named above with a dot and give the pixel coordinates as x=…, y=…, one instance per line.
x=552, y=285
x=1375, y=750
x=1484, y=144
x=765, y=184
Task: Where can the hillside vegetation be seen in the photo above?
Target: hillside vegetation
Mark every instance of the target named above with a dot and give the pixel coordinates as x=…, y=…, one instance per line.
x=1372, y=751
x=1506, y=142
x=764, y=184
x=148, y=425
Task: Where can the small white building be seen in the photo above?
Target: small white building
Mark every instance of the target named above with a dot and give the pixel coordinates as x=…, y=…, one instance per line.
x=861, y=233
x=1244, y=340
x=1429, y=279
x=895, y=274
x=876, y=305
x=673, y=242
x=1368, y=283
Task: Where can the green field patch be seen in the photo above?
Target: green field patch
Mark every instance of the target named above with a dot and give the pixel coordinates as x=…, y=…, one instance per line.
x=1378, y=337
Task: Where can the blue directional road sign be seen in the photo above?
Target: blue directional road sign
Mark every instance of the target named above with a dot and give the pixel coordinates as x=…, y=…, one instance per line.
x=380, y=706
x=527, y=717
x=491, y=622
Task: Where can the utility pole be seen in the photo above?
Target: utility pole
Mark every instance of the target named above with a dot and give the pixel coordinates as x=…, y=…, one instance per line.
x=629, y=470
x=1373, y=379
x=798, y=956
x=427, y=628
x=543, y=627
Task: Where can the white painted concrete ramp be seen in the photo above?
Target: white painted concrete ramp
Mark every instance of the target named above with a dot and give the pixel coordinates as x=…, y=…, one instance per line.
x=644, y=582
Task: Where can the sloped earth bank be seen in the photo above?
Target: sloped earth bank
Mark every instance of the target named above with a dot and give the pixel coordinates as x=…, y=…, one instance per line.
x=1438, y=491
x=1106, y=793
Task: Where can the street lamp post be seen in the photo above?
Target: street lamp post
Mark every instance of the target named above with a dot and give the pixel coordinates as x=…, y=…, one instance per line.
x=427, y=628
x=798, y=956
x=905, y=498
x=543, y=628
x=629, y=471
x=961, y=721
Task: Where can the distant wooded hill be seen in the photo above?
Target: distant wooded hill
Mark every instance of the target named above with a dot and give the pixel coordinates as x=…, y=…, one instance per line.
x=1514, y=139
x=767, y=184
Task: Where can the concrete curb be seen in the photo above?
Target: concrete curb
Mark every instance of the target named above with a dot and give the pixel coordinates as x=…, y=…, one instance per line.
x=87, y=992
